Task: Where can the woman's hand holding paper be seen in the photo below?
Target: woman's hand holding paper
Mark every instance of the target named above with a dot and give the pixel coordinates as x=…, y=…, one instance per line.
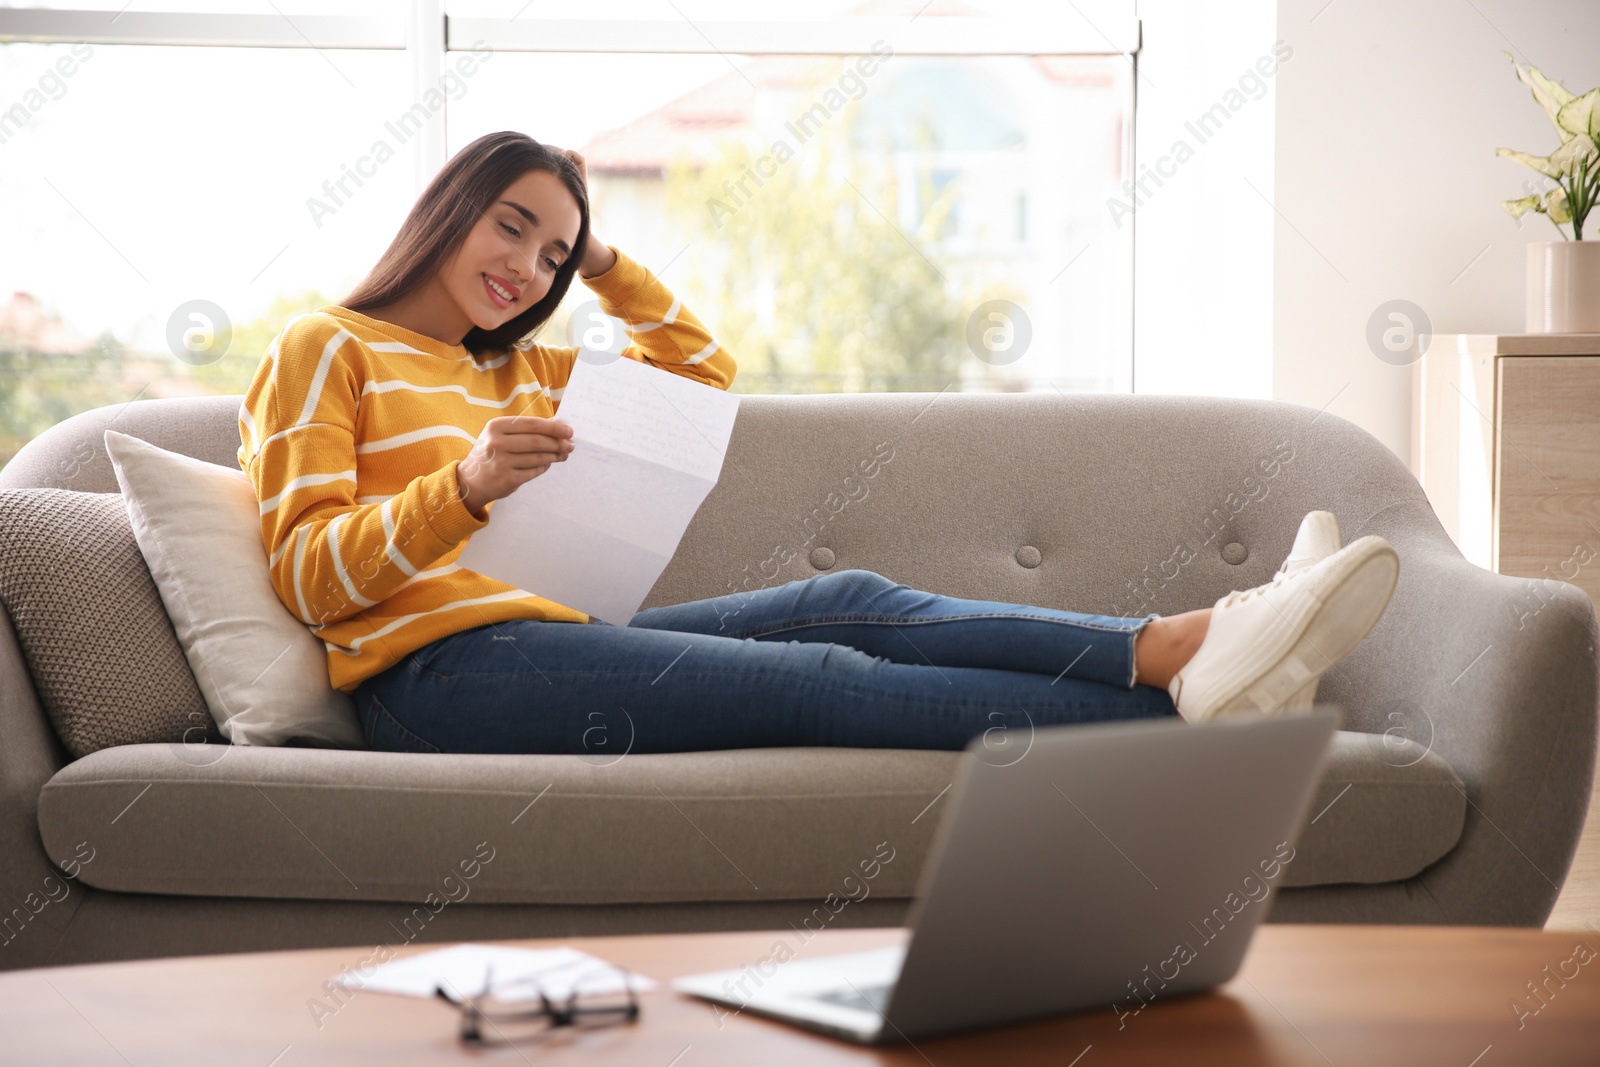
x=511, y=450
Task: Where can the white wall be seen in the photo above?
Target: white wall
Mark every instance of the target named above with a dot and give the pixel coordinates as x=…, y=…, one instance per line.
x=1203, y=238
x=1388, y=187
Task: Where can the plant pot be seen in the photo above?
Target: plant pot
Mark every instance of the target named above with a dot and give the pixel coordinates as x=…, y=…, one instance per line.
x=1563, y=287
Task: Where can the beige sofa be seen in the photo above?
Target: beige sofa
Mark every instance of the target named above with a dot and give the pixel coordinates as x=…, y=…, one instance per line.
x=1456, y=791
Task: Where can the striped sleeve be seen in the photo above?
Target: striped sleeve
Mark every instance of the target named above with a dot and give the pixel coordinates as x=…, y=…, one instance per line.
x=330, y=558
x=664, y=333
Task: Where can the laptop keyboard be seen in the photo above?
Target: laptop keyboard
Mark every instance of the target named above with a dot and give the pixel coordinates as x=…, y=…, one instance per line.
x=870, y=998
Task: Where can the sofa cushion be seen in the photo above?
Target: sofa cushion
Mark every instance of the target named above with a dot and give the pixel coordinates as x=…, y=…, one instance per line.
x=104, y=658
x=1386, y=808
x=737, y=824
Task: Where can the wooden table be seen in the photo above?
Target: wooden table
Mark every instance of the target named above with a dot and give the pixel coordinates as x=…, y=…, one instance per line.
x=1349, y=996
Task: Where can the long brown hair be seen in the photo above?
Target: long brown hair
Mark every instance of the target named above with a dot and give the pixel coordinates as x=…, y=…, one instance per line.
x=452, y=204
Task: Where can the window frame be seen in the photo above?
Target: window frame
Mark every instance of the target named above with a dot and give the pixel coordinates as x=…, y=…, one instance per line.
x=429, y=34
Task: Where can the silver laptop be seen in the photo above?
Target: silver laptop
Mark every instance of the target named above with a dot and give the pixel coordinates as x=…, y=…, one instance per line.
x=1110, y=865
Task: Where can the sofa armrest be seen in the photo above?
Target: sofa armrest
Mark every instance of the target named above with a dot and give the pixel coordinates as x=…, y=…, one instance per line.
x=1499, y=676
x=37, y=902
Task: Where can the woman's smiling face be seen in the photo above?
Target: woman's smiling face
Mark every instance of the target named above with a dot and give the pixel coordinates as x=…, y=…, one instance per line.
x=508, y=261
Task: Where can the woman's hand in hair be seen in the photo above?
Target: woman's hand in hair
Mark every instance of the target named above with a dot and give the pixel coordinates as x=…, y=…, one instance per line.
x=577, y=158
x=597, y=256
x=511, y=450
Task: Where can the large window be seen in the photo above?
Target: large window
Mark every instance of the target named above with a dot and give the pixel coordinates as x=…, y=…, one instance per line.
x=861, y=196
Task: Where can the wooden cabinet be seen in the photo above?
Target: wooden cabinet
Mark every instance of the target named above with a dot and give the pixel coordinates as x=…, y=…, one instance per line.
x=1505, y=439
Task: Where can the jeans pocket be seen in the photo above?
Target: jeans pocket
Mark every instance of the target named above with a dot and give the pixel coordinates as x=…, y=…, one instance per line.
x=423, y=660
x=421, y=657
x=385, y=733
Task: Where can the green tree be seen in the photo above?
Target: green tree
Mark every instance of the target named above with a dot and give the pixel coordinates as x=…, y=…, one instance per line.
x=233, y=372
x=811, y=279
x=39, y=389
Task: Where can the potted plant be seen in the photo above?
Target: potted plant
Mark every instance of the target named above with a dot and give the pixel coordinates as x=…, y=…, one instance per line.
x=1563, y=283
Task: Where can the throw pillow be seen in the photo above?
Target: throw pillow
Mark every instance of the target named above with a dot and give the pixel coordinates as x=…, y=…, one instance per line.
x=263, y=672
x=104, y=659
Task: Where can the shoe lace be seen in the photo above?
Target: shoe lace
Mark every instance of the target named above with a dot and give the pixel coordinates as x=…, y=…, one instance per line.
x=1241, y=595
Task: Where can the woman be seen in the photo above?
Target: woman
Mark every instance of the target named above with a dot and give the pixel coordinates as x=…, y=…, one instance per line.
x=376, y=432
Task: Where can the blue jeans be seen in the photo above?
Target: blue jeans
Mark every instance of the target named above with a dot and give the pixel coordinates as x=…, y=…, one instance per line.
x=842, y=658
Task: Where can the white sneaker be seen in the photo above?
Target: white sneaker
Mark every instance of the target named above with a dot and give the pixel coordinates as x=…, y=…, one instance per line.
x=1317, y=539
x=1264, y=644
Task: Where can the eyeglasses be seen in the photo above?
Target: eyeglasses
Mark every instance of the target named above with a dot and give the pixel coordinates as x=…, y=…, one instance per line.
x=493, y=1009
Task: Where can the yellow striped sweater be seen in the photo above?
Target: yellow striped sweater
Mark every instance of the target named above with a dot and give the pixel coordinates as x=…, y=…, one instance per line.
x=351, y=433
